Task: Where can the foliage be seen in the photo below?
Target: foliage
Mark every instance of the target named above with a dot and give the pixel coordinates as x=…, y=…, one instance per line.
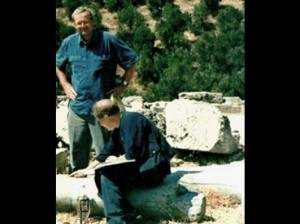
x=138, y=2
x=144, y=45
x=101, y=3
x=116, y=5
x=212, y=5
x=200, y=22
x=144, y=39
x=62, y=31
x=221, y=55
x=58, y=3
x=130, y=21
x=175, y=75
x=131, y=92
x=98, y=17
x=129, y=18
x=172, y=25
x=135, y=32
x=156, y=6
x=230, y=19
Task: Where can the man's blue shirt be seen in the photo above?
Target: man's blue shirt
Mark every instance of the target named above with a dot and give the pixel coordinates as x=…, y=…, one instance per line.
x=93, y=66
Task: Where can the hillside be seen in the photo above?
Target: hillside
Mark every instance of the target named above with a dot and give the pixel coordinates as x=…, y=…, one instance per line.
x=110, y=19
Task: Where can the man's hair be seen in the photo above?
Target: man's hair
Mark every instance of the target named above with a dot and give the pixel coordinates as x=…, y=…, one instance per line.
x=105, y=107
x=82, y=9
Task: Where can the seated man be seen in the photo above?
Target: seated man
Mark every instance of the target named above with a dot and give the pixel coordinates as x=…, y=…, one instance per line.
x=134, y=138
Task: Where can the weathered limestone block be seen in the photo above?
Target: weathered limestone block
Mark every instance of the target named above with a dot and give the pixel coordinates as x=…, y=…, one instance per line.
x=227, y=179
x=199, y=126
x=61, y=98
x=62, y=122
x=158, y=106
x=202, y=96
x=68, y=189
x=167, y=201
x=232, y=104
x=133, y=103
x=232, y=100
x=228, y=108
x=61, y=160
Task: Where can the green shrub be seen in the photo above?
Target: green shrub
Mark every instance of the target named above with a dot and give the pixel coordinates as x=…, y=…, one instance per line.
x=172, y=25
x=58, y=3
x=200, y=23
x=62, y=31
x=116, y=5
x=156, y=7
x=212, y=5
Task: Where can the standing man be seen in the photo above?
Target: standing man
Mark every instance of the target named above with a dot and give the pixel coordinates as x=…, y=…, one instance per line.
x=93, y=56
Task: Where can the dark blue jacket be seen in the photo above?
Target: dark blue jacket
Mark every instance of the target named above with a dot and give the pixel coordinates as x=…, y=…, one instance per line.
x=138, y=138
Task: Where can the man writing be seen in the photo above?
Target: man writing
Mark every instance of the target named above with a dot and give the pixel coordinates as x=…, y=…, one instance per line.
x=134, y=138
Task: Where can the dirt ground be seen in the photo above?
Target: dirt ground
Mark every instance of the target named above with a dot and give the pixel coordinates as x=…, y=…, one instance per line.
x=219, y=215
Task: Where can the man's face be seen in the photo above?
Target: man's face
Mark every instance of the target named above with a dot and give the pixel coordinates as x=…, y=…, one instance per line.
x=107, y=123
x=84, y=24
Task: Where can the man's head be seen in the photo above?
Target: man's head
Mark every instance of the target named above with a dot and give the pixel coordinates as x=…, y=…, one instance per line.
x=84, y=18
x=107, y=113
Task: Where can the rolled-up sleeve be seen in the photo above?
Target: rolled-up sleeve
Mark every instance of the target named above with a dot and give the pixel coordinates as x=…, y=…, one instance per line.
x=125, y=56
x=61, y=56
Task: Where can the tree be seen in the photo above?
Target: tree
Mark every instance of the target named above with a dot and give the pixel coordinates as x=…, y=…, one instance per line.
x=172, y=25
x=116, y=5
x=62, y=31
x=212, y=5
x=156, y=7
x=129, y=19
x=221, y=54
x=230, y=19
x=200, y=22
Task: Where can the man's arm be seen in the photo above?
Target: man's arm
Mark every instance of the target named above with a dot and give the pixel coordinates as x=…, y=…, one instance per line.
x=128, y=76
x=90, y=170
x=66, y=85
x=84, y=172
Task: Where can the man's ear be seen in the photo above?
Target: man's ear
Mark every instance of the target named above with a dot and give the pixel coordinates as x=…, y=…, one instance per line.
x=105, y=117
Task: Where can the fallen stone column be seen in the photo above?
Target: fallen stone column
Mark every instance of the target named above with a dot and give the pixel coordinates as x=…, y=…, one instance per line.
x=170, y=200
x=227, y=179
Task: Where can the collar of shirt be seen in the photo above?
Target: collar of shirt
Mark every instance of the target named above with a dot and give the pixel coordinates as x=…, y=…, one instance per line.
x=82, y=41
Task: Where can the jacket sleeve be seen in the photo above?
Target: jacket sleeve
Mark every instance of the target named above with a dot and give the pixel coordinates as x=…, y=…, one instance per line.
x=133, y=137
x=111, y=147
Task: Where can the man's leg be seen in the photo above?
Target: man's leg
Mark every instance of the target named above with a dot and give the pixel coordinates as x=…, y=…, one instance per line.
x=112, y=199
x=97, y=134
x=80, y=141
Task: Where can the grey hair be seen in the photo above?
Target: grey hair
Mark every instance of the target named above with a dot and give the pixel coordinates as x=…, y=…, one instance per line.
x=105, y=107
x=82, y=9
